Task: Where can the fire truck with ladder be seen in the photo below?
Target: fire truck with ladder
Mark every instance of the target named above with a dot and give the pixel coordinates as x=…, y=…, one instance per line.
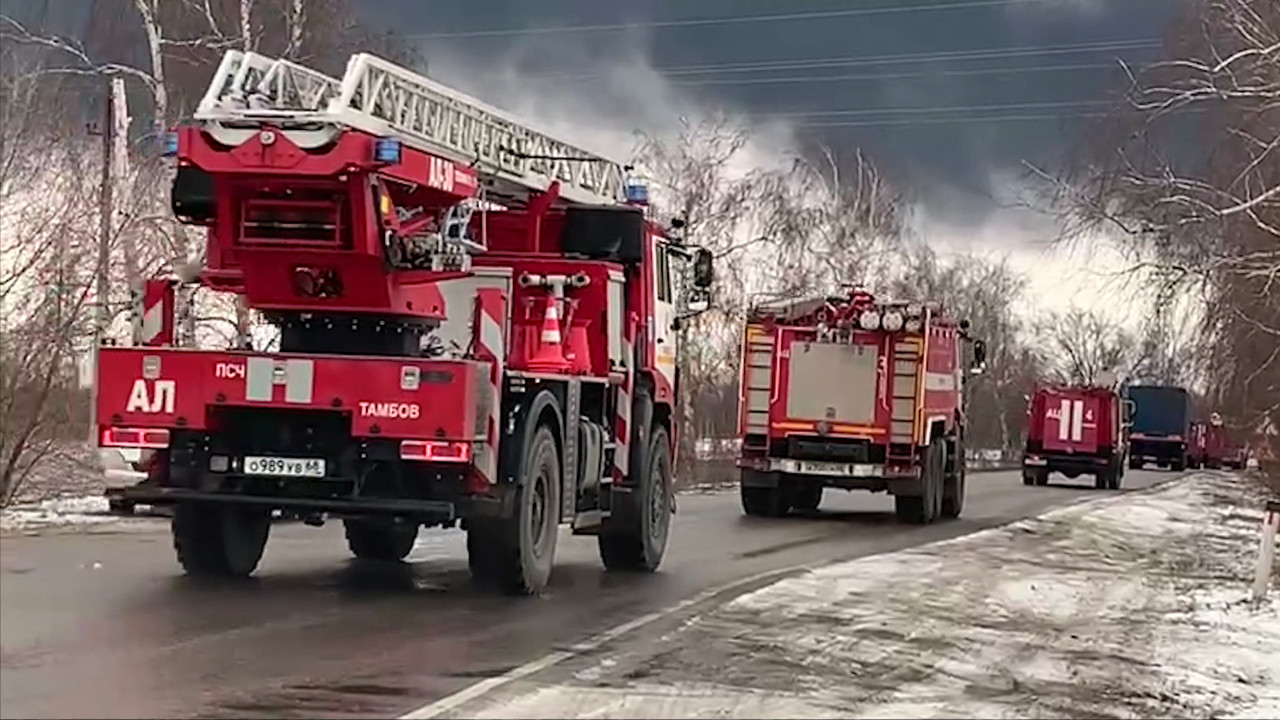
x=852, y=393
x=477, y=326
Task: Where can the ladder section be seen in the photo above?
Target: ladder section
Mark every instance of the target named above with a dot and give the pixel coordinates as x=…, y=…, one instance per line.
x=384, y=99
x=249, y=81
x=757, y=370
x=905, y=395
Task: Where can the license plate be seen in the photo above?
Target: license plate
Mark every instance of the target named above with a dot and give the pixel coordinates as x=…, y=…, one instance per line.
x=284, y=467
x=812, y=467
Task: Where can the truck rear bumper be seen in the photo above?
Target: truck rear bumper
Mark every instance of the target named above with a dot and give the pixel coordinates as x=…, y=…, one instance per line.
x=431, y=511
x=1054, y=462
x=772, y=472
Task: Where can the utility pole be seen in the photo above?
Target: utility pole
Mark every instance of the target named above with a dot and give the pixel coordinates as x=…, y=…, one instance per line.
x=106, y=206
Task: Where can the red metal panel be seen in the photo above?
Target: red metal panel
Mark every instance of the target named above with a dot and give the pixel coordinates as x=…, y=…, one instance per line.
x=140, y=387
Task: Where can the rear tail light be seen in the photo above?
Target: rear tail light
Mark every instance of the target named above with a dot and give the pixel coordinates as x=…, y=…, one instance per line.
x=435, y=451
x=152, y=438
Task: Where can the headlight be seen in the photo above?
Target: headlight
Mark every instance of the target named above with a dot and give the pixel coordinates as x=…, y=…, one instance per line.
x=913, y=325
x=869, y=320
x=893, y=321
x=915, y=310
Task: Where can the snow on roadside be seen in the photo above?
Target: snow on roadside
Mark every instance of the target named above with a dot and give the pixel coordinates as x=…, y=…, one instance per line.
x=81, y=510
x=1129, y=605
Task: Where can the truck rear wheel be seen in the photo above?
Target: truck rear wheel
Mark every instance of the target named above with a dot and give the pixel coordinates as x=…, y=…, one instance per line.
x=805, y=496
x=213, y=541
x=763, y=501
x=516, y=554
x=1178, y=464
x=1135, y=463
x=639, y=541
x=953, y=489
x=374, y=540
x=925, y=508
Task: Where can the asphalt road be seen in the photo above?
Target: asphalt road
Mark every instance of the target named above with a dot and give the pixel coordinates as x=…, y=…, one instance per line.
x=102, y=624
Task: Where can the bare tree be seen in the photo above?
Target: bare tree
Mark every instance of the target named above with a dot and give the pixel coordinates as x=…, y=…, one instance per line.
x=1081, y=346
x=46, y=230
x=987, y=293
x=1187, y=173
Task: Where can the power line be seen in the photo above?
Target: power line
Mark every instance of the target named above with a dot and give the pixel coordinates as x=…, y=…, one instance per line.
x=864, y=60
x=798, y=79
x=935, y=109
x=776, y=17
x=949, y=121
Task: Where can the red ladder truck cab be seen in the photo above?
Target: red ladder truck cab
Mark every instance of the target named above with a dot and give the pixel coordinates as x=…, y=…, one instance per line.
x=853, y=393
x=1076, y=430
x=476, y=326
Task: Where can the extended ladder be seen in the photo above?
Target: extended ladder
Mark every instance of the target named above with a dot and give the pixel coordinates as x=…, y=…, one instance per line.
x=386, y=100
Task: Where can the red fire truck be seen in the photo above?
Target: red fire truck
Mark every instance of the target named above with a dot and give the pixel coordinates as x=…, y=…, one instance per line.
x=1213, y=447
x=852, y=393
x=1076, y=430
x=477, y=325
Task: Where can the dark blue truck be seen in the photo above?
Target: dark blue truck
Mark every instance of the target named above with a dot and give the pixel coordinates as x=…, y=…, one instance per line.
x=1161, y=426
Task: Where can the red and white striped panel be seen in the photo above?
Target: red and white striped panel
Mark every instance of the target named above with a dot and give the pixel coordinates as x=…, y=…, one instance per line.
x=491, y=309
x=622, y=421
x=154, y=314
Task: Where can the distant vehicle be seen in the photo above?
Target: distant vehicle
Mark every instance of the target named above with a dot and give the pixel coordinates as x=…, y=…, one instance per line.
x=1076, y=430
x=858, y=394
x=1161, y=430
x=1235, y=455
x=1207, y=447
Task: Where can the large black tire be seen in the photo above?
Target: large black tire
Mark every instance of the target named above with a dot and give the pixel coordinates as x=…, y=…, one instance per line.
x=516, y=554
x=213, y=541
x=927, y=507
x=953, y=489
x=1178, y=464
x=1135, y=464
x=763, y=501
x=386, y=541
x=804, y=496
x=1028, y=477
x=638, y=543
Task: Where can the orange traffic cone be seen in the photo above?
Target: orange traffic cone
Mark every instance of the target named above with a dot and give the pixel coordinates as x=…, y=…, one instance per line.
x=550, y=356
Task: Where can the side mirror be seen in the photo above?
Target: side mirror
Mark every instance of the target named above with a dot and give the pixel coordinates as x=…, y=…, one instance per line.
x=703, y=272
x=979, y=352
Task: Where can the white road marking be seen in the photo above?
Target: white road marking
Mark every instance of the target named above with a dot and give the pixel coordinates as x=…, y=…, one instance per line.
x=484, y=687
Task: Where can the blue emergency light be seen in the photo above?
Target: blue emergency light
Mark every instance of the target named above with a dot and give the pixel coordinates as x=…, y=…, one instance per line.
x=387, y=150
x=169, y=144
x=636, y=193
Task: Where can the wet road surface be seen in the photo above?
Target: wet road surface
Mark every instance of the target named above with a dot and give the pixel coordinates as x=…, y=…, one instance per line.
x=102, y=624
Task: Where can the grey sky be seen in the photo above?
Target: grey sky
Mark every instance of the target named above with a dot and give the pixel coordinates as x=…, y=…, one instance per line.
x=832, y=74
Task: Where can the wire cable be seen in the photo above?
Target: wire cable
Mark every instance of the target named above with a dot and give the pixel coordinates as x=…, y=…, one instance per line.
x=804, y=79
x=1003, y=107
x=864, y=60
x=694, y=22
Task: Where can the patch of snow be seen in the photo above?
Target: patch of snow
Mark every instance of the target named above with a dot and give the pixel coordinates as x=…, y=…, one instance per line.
x=1129, y=605
x=80, y=510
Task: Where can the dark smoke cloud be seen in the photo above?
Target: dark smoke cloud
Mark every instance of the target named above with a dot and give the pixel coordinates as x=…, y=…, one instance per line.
x=960, y=171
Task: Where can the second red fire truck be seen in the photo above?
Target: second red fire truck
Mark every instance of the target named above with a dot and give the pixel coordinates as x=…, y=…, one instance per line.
x=853, y=393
